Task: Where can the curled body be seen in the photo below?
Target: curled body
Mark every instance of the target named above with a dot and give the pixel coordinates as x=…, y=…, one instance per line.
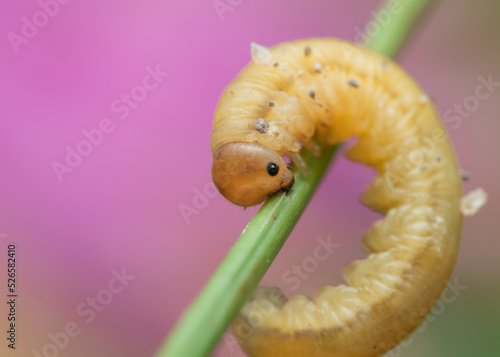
x=319, y=92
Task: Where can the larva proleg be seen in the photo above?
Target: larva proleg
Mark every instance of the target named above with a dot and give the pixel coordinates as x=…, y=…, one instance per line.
x=320, y=92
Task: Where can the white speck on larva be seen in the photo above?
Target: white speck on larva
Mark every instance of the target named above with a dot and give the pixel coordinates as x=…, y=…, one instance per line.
x=391, y=111
x=299, y=73
x=423, y=98
x=317, y=67
x=435, y=218
x=260, y=54
x=473, y=201
x=261, y=125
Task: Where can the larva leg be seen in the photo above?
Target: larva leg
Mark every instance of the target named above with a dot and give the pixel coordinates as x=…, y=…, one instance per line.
x=313, y=147
x=299, y=162
x=297, y=159
x=412, y=250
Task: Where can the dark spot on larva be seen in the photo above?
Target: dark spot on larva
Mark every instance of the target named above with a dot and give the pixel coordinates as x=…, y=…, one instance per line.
x=271, y=103
x=438, y=158
x=464, y=176
x=231, y=92
x=353, y=83
x=275, y=64
x=327, y=110
x=319, y=105
x=261, y=125
x=307, y=51
x=312, y=94
x=433, y=100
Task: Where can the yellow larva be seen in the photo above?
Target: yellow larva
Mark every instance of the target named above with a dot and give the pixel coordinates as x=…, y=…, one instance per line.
x=320, y=92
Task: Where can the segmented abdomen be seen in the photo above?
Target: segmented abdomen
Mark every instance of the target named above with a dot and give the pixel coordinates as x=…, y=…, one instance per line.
x=331, y=90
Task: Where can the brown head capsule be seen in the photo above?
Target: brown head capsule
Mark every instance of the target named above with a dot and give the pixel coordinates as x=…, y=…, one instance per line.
x=249, y=173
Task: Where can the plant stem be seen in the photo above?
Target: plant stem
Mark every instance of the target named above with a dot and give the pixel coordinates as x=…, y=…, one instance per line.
x=403, y=20
x=245, y=264
x=202, y=325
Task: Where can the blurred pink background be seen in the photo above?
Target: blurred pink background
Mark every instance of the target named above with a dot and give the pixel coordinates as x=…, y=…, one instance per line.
x=118, y=211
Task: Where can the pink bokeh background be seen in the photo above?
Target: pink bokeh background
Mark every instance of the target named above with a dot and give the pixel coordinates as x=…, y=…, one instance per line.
x=120, y=208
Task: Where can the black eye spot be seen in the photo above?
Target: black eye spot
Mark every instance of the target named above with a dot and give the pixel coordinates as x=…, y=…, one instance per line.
x=272, y=169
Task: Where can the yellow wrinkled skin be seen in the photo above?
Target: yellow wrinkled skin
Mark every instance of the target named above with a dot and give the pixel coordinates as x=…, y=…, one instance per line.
x=328, y=90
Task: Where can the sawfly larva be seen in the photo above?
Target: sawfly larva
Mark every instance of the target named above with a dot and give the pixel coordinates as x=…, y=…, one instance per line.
x=319, y=92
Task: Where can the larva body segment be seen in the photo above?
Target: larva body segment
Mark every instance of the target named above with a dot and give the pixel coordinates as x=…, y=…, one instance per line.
x=328, y=90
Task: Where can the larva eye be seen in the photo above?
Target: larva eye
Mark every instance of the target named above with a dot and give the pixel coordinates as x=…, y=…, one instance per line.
x=272, y=169
x=249, y=173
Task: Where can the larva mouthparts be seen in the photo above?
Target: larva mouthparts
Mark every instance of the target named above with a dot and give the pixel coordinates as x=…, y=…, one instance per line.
x=399, y=133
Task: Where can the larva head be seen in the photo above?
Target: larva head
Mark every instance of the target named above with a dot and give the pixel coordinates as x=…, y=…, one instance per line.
x=249, y=173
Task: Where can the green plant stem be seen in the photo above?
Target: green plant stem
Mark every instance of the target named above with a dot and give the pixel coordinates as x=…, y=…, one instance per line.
x=403, y=20
x=240, y=272
x=202, y=325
